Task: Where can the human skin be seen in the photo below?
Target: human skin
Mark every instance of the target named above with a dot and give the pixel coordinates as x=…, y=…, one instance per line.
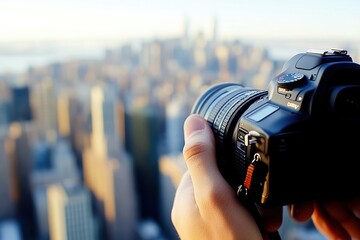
x=337, y=219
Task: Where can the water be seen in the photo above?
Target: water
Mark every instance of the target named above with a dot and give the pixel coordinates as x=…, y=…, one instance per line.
x=20, y=61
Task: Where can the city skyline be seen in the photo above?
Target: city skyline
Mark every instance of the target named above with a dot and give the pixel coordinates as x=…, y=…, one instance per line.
x=114, y=127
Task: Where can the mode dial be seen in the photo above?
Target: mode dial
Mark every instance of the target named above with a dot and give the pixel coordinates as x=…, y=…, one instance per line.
x=291, y=80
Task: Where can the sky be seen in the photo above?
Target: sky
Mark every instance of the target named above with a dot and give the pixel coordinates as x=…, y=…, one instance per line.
x=71, y=20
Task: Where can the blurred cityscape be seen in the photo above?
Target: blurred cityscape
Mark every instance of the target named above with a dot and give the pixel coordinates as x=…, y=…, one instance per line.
x=92, y=148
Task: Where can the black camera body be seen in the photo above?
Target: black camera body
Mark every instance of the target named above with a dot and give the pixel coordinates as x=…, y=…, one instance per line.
x=296, y=142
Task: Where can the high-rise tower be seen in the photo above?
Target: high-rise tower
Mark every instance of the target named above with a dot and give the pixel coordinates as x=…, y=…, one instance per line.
x=70, y=213
x=108, y=171
x=44, y=98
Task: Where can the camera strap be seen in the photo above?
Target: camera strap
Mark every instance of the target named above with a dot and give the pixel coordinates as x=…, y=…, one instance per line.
x=255, y=176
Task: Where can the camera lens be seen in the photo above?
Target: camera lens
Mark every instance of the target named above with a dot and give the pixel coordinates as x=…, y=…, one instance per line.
x=222, y=106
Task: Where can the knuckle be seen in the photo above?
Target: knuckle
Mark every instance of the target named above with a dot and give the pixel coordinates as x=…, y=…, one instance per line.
x=193, y=151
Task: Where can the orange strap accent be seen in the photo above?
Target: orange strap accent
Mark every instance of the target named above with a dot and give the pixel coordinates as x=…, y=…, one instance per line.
x=249, y=174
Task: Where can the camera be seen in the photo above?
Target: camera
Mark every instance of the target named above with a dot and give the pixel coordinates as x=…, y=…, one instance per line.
x=297, y=141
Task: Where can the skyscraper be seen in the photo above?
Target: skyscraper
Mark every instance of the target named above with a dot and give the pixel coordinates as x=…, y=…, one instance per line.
x=70, y=213
x=176, y=112
x=105, y=135
x=20, y=109
x=186, y=29
x=7, y=203
x=111, y=182
x=5, y=106
x=20, y=152
x=63, y=114
x=108, y=171
x=41, y=212
x=72, y=110
x=44, y=97
x=4, y=115
x=144, y=128
x=62, y=168
x=215, y=30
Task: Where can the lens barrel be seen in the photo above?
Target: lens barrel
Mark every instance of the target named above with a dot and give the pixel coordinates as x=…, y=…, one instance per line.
x=222, y=106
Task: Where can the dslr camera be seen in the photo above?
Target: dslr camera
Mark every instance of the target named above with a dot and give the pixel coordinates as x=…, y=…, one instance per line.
x=299, y=140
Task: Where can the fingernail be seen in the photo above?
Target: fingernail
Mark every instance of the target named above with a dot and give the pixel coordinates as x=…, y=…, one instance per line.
x=193, y=124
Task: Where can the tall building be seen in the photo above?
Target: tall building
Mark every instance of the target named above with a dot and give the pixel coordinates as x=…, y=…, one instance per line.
x=108, y=171
x=176, y=113
x=70, y=213
x=126, y=201
x=7, y=203
x=20, y=109
x=5, y=106
x=105, y=121
x=62, y=168
x=111, y=182
x=20, y=152
x=215, y=33
x=153, y=58
x=41, y=213
x=143, y=123
x=41, y=155
x=44, y=98
x=222, y=59
x=199, y=53
x=186, y=29
x=5, y=117
x=72, y=111
x=63, y=115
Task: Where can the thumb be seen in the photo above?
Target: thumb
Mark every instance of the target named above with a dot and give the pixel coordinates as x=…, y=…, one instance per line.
x=214, y=197
x=199, y=152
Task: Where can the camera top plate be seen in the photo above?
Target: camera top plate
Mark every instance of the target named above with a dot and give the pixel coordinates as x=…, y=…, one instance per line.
x=333, y=51
x=313, y=58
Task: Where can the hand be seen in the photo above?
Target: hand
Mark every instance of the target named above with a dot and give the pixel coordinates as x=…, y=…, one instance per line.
x=205, y=206
x=338, y=219
x=334, y=219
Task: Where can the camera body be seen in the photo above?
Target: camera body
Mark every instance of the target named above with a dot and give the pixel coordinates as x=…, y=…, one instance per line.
x=296, y=142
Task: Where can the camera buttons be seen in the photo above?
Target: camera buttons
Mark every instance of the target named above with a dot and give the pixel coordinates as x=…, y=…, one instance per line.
x=252, y=138
x=312, y=77
x=291, y=80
